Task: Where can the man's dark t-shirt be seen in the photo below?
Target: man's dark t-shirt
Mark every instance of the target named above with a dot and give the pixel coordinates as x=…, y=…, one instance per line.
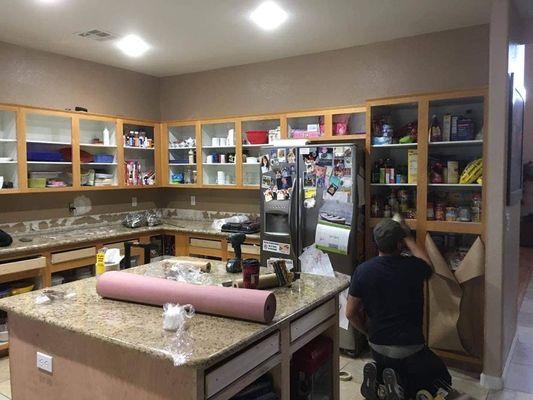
x=391, y=289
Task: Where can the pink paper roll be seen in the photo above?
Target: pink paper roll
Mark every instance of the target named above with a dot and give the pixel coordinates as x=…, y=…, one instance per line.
x=248, y=304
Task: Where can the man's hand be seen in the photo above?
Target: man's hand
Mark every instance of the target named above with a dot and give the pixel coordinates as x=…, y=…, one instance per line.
x=417, y=251
x=356, y=313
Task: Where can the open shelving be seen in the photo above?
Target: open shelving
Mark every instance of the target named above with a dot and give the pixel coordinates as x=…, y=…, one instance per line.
x=182, y=154
x=139, y=142
x=423, y=107
x=8, y=150
x=219, y=153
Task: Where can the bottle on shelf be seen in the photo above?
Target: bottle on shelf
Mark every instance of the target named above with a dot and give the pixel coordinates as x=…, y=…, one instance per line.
x=435, y=134
x=136, y=139
x=191, y=156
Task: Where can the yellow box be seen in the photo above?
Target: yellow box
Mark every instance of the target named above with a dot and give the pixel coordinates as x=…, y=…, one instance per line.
x=412, y=166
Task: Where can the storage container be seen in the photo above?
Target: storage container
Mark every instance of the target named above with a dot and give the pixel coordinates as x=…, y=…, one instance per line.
x=37, y=183
x=48, y=156
x=22, y=287
x=103, y=158
x=257, y=137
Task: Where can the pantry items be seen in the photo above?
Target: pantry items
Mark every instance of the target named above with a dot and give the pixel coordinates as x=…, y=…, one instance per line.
x=21, y=287
x=402, y=202
x=106, y=136
x=412, y=166
x=383, y=132
x=1, y=182
x=135, y=176
x=138, y=139
x=230, y=140
x=454, y=128
x=189, y=142
x=435, y=134
x=454, y=206
x=191, y=156
x=385, y=172
x=451, y=214
x=221, y=178
x=257, y=137
x=476, y=208
x=473, y=172
x=274, y=134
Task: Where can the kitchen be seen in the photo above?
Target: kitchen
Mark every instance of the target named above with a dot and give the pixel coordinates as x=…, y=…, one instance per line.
x=146, y=157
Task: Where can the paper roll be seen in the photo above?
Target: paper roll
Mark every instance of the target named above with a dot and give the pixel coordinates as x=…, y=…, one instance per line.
x=204, y=266
x=247, y=304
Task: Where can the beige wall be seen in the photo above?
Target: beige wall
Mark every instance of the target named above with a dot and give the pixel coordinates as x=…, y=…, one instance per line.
x=502, y=222
x=246, y=201
x=528, y=124
x=433, y=62
x=41, y=79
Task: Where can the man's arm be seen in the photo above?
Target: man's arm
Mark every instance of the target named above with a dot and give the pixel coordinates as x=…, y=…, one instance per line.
x=355, y=313
x=416, y=250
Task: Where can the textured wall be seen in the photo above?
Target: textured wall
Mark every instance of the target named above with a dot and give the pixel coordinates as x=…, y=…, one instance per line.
x=41, y=79
x=433, y=62
x=528, y=127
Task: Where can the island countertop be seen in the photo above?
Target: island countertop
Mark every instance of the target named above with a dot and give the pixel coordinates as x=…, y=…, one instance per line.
x=139, y=327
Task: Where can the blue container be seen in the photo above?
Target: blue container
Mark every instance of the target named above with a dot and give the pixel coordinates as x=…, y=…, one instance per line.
x=50, y=156
x=103, y=158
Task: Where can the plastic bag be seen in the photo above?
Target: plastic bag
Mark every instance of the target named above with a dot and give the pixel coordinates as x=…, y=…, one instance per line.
x=153, y=218
x=217, y=223
x=180, y=271
x=315, y=261
x=175, y=324
x=135, y=220
x=48, y=296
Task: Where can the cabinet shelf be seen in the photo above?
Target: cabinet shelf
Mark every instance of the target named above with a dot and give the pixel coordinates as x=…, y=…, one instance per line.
x=104, y=146
x=475, y=228
x=182, y=148
x=97, y=163
x=393, y=184
x=138, y=148
x=457, y=143
x=395, y=146
x=49, y=142
x=8, y=140
x=50, y=162
x=457, y=185
x=180, y=164
x=218, y=147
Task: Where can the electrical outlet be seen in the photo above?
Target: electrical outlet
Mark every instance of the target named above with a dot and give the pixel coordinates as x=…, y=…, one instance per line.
x=134, y=201
x=45, y=362
x=193, y=200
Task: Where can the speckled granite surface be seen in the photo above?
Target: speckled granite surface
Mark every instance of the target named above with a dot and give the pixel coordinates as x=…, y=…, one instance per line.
x=72, y=235
x=139, y=327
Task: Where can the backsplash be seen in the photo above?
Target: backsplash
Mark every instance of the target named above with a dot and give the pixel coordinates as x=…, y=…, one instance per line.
x=111, y=218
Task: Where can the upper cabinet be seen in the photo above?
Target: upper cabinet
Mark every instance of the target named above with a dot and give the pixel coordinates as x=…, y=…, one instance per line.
x=49, y=150
x=99, y=164
x=219, y=153
x=182, y=154
x=140, y=142
x=307, y=125
x=9, y=178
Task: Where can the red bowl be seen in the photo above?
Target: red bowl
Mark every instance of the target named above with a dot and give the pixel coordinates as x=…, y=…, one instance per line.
x=257, y=137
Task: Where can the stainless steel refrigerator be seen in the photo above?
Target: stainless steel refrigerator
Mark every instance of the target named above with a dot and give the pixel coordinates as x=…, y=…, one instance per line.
x=309, y=196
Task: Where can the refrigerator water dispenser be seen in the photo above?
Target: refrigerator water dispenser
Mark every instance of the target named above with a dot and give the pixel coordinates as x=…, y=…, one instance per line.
x=277, y=217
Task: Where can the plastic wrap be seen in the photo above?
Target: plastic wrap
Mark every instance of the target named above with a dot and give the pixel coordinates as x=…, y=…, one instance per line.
x=217, y=223
x=315, y=261
x=135, y=220
x=49, y=296
x=153, y=218
x=183, y=271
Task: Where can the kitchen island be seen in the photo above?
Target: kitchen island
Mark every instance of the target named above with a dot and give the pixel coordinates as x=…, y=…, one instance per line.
x=108, y=349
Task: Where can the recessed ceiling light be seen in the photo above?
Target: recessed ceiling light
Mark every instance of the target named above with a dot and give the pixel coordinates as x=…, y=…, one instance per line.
x=268, y=15
x=133, y=45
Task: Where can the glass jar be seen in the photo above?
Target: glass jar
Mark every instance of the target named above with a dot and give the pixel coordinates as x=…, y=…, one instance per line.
x=451, y=214
x=476, y=208
x=439, y=212
x=463, y=214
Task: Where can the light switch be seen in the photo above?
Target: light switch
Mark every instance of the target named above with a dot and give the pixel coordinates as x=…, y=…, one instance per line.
x=134, y=201
x=44, y=362
x=193, y=200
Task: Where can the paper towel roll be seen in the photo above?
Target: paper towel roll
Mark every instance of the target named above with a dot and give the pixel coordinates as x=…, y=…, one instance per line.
x=247, y=304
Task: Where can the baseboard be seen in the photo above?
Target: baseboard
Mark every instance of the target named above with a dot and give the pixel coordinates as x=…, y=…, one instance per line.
x=491, y=382
x=497, y=382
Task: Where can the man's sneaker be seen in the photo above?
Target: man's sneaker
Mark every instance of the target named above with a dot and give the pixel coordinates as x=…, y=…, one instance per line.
x=370, y=384
x=393, y=388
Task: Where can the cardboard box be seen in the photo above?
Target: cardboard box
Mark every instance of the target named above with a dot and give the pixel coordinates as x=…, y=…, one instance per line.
x=446, y=127
x=412, y=166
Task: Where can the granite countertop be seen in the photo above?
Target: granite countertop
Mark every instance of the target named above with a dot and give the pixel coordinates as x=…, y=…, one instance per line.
x=139, y=327
x=79, y=235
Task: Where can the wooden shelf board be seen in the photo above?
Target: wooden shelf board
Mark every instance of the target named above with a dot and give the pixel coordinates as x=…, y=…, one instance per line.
x=457, y=143
x=182, y=148
x=475, y=228
x=138, y=148
x=99, y=163
x=393, y=184
x=183, y=185
x=9, y=162
x=50, y=162
x=339, y=138
x=48, y=142
x=411, y=223
x=218, y=147
x=456, y=185
x=218, y=164
x=110, y=146
x=180, y=164
x=395, y=146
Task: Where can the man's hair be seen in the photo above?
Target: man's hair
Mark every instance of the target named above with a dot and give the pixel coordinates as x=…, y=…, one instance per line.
x=387, y=235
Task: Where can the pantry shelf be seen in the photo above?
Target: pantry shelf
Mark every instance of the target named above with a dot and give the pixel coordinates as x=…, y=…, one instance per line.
x=395, y=145
x=97, y=163
x=411, y=223
x=457, y=143
x=180, y=164
x=393, y=184
x=182, y=148
x=218, y=147
x=475, y=228
x=138, y=148
x=50, y=162
x=49, y=142
x=457, y=185
x=104, y=146
x=8, y=140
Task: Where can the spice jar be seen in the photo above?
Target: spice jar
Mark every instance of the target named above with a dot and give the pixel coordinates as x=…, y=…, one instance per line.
x=439, y=212
x=451, y=214
x=476, y=208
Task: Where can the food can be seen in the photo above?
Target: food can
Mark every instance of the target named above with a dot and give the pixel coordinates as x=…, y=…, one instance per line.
x=452, y=174
x=439, y=212
x=463, y=214
x=451, y=214
x=250, y=273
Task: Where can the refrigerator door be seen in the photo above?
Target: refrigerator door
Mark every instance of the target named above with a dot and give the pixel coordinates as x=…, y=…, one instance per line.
x=328, y=193
x=279, y=204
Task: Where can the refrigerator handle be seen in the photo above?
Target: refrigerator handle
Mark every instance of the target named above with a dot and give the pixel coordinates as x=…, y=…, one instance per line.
x=293, y=216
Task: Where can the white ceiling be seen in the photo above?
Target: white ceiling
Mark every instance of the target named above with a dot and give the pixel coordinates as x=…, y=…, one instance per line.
x=195, y=35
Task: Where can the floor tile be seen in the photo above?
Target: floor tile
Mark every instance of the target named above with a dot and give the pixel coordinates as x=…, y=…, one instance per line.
x=470, y=387
x=343, y=360
x=507, y=394
x=527, y=305
x=519, y=377
x=523, y=354
x=525, y=319
x=5, y=388
x=355, y=367
x=4, y=369
x=350, y=391
x=525, y=335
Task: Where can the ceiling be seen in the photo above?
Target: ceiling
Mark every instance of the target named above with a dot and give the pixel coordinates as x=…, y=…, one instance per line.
x=195, y=35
